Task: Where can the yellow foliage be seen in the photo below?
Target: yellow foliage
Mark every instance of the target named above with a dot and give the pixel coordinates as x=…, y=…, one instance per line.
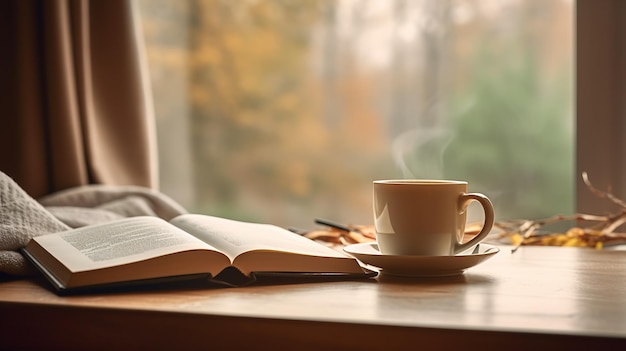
x=574, y=237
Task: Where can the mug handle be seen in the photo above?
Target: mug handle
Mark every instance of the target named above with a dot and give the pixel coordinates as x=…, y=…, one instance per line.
x=463, y=202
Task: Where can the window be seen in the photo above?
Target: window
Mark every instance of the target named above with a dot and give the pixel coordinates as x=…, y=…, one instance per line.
x=285, y=111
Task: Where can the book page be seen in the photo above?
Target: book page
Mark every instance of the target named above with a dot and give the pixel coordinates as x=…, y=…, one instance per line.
x=118, y=242
x=236, y=237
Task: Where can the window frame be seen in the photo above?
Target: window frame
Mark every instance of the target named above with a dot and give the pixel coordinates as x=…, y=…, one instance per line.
x=600, y=106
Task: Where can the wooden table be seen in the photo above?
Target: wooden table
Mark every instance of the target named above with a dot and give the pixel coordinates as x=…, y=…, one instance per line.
x=566, y=298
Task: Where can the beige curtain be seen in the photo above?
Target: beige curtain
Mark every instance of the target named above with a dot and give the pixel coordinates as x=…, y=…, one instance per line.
x=75, y=107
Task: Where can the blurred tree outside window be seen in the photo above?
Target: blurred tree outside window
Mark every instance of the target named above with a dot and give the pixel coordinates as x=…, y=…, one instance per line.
x=285, y=111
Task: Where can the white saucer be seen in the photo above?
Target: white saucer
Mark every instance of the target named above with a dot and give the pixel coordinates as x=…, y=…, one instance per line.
x=421, y=266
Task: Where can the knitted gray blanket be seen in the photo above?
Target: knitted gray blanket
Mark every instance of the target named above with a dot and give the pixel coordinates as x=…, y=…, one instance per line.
x=22, y=217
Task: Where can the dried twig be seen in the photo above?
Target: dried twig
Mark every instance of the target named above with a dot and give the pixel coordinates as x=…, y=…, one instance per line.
x=603, y=194
x=595, y=235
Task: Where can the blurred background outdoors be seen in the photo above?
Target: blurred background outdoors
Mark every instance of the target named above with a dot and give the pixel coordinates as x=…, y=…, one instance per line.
x=285, y=111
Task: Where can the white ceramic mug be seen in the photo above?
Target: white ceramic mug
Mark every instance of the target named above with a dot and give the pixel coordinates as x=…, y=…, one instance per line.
x=425, y=217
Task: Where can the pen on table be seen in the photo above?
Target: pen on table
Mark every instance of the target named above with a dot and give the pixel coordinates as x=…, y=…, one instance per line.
x=334, y=225
x=297, y=230
x=322, y=222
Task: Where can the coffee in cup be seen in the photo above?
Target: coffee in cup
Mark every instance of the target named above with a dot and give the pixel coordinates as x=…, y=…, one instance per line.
x=425, y=217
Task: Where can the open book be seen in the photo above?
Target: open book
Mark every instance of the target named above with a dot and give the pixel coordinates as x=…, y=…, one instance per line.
x=191, y=246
